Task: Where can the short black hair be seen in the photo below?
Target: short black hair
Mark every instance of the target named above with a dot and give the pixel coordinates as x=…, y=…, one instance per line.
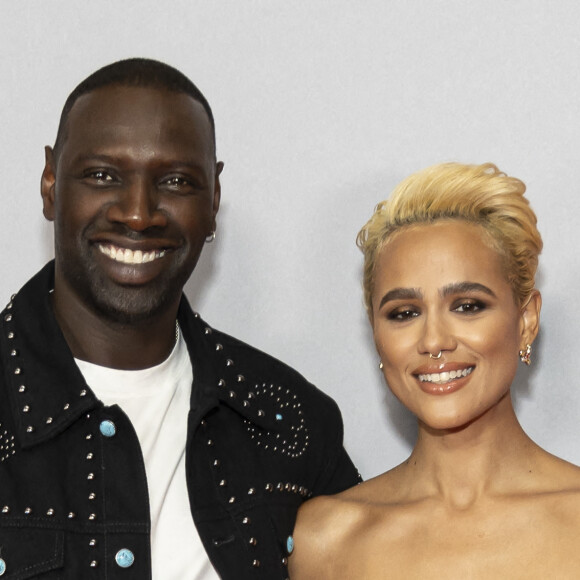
x=133, y=72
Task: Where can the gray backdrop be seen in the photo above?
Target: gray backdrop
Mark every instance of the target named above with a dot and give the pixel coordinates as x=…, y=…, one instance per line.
x=321, y=108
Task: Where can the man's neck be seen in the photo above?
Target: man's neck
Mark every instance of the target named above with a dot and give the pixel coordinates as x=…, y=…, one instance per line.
x=121, y=345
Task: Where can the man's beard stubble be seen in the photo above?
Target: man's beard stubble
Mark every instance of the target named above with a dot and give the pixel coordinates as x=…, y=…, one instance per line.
x=122, y=304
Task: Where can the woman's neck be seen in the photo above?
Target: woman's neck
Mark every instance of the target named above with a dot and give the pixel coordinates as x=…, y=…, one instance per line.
x=492, y=455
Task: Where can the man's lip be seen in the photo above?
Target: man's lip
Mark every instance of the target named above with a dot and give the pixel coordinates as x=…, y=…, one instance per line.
x=128, y=256
x=144, y=244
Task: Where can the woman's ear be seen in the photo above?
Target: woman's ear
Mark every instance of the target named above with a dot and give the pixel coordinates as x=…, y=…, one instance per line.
x=530, y=319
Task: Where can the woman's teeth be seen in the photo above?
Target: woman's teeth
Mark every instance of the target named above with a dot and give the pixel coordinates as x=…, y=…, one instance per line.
x=440, y=378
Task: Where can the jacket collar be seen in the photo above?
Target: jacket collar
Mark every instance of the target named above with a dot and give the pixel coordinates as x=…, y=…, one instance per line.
x=46, y=388
x=48, y=393
x=224, y=371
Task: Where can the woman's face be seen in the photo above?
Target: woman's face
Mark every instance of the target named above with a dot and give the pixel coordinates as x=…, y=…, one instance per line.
x=441, y=288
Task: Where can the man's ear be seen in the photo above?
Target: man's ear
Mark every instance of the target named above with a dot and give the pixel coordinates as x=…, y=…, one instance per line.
x=47, y=183
x=217, y=191
x=530, y=319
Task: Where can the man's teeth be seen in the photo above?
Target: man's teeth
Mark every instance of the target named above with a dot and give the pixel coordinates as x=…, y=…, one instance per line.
x=127, y=256
x=440, y=378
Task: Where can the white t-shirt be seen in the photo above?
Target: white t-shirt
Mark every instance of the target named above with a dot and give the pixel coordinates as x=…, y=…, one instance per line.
x=156, y=400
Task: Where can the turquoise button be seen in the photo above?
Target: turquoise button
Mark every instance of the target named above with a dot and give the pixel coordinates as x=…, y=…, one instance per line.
x=108, y=428
x=2, y=567
x=124, y=558
x=289, y=544
x=279, y=417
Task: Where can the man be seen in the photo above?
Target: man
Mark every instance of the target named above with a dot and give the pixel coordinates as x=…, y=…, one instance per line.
x=135, y=440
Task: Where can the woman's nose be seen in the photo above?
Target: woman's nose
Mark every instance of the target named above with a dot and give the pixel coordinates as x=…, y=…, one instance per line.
x=436, y=336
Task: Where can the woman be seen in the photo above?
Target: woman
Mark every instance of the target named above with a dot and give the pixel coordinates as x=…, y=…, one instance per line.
x=449, y=273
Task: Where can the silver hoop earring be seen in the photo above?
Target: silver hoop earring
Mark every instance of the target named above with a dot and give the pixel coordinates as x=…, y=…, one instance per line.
x=435, y=357
x=209, y=239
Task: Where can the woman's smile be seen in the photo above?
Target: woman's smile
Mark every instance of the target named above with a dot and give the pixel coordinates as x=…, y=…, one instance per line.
x=448, y=379
x=445, y=321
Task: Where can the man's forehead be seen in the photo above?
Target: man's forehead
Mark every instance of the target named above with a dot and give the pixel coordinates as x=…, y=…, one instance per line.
x=125, y=100
x=127, y=113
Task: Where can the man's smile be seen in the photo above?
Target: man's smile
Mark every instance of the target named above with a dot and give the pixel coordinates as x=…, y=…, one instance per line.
x=128, y=256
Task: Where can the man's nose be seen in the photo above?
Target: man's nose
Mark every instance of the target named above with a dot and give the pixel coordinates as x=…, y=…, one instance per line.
x=137, y=207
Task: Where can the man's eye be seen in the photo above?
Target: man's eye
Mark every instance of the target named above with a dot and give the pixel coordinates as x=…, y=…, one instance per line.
x=177, y=181
x=100, y=176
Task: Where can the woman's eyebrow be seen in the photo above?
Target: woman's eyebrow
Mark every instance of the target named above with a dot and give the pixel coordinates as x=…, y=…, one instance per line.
x=465, y=287
x=450, y=289
x=401, y=294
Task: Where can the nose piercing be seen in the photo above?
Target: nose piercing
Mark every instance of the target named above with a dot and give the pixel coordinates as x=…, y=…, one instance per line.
x=435, y=357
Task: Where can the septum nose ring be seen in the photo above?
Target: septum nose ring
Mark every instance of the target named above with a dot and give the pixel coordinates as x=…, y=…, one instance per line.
x=435, y=357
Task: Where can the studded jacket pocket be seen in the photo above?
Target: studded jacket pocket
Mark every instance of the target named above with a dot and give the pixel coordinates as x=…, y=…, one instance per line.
x=30, y=553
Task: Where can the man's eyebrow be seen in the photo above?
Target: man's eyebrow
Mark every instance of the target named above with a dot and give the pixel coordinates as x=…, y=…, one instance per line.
x=465, y=287
x=96, y=158
x=401, y=294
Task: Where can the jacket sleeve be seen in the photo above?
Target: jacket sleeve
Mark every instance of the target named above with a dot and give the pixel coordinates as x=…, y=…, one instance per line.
x=338, y=471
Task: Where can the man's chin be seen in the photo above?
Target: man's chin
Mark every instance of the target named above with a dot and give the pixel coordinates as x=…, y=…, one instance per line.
x=133, y=305
x=124, y=303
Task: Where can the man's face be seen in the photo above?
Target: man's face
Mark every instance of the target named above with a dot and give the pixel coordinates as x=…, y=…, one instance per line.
x=133, y=194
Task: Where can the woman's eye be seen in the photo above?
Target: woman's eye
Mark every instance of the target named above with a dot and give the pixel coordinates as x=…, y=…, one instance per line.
x=402, y=314
x=469, y=307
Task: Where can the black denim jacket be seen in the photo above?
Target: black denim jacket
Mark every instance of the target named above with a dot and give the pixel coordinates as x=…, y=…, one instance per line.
x=73, y=492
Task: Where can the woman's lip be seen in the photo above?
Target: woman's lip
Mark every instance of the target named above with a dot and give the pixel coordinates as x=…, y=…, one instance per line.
x=441, y=367
x=446, y=381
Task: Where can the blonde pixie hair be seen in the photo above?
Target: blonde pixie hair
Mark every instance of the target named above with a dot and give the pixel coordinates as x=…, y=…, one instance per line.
x=480, y=194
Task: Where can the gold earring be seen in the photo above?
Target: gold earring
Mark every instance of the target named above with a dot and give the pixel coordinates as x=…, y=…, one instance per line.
x=526, y=354
x=381, y=364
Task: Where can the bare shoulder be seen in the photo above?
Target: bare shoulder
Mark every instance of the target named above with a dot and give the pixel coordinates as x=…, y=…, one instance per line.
x=559, y=475
x=566, y=485
x=555, y=497
x=323, y=527
x=327, y=527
